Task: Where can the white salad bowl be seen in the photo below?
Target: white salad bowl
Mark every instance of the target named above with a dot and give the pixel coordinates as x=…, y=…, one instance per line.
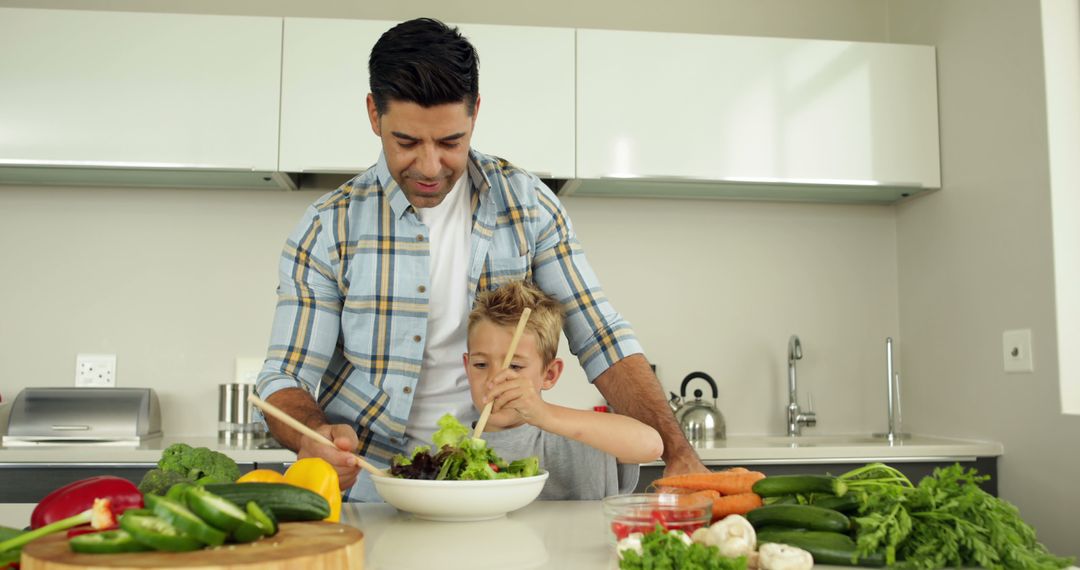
x=460, y=500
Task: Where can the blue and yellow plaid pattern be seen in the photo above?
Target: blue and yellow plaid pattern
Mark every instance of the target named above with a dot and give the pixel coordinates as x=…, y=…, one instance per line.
x=354, y=287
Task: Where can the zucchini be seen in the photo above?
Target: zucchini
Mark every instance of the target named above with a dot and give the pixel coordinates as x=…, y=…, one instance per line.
x=807, y=517
x=286, y=502
x=825, y=547
x=846, y=504
x=777, y=485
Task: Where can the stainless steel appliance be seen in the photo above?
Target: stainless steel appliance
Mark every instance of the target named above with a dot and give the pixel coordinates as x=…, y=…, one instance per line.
x=103, y=416
x=702, y=423
x=236, y=416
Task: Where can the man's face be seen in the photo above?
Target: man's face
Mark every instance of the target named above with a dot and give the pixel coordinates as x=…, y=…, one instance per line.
x=427, y=149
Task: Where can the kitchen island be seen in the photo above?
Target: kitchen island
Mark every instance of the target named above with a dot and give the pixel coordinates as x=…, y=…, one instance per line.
x=544, y=535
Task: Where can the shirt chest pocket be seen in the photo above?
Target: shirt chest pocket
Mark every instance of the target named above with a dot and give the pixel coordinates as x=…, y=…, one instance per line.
x=501, y=270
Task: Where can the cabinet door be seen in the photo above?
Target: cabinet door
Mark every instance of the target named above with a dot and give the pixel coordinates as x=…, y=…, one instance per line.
x=526, y=96
x=324, y=86
x=765, y=110
x=117, y=89
x=526, y=91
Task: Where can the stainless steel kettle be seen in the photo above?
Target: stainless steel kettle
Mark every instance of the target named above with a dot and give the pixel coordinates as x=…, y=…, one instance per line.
x=702, y=422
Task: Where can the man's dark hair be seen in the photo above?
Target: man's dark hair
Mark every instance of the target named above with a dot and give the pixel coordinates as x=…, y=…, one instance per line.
x=426, y=62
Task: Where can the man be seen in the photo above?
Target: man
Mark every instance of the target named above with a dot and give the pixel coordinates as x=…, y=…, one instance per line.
x=377, y=281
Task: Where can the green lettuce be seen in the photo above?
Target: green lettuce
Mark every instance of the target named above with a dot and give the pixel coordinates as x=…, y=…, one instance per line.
x=463, y=457
x=451, y=432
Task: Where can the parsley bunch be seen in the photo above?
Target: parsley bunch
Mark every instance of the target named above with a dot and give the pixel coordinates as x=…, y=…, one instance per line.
x=945, y=521
x=661, y=550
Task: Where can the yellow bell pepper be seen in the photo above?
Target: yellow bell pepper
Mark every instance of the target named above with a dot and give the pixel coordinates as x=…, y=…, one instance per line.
x=261, y=476
x=316, y=474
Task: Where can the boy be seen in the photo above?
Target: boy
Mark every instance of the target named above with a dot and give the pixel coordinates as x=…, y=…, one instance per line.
x=588, y=455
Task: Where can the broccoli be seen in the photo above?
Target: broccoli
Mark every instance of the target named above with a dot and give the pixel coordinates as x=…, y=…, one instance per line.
x=158, y=482
x=181, y=463
x=197, y=463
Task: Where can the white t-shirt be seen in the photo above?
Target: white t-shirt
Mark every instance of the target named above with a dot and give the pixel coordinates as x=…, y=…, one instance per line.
x=443, y=386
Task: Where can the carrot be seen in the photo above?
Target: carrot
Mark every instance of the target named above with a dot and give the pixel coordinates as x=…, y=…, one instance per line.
x=734, y=505
x=724, y=505
x=689, y=497
x=728, y=482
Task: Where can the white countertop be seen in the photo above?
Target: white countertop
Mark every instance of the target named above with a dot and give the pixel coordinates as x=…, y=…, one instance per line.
x=860, y=448
x=545, y=534
x=148, y=452
x=736, y=449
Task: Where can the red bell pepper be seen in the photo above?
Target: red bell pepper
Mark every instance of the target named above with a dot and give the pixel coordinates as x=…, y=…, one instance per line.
x=74, y=498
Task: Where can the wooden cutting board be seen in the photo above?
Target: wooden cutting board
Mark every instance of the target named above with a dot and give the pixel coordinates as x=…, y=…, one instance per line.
x=308, y=545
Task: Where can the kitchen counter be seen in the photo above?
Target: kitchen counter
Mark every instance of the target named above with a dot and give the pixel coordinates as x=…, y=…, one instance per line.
x=737, y=449
x=545, y=534
x=145, y=453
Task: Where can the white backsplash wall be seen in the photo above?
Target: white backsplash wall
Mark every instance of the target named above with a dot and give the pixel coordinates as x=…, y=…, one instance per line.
x=178, y=283
x=719, y=286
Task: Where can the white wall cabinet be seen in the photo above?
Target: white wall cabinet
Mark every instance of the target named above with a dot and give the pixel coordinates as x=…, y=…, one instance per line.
x=526, y=90
x=115, y=91
x=762, y=116
x=179, y=100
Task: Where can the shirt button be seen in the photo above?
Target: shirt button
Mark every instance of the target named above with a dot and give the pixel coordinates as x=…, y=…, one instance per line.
x=416, y=338
x=407, y=389
x=420, y=237
x=421, y=288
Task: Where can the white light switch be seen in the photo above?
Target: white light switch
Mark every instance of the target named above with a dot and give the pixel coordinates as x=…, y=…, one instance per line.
x=1016, y=346
x=247, y=369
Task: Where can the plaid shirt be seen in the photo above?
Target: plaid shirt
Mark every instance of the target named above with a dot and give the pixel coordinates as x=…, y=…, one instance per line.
x=353, y=294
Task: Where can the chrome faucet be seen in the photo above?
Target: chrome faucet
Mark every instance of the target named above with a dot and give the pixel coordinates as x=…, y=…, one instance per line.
x=795, y=417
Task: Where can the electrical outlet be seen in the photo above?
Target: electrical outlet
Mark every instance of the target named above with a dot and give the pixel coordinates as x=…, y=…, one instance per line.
x=95, y=370
x=1016, y=350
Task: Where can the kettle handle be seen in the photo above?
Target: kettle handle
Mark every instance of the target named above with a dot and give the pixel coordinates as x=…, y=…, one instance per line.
x=703, y=376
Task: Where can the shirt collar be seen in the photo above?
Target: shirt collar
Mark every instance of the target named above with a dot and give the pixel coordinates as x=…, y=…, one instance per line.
x=478, y=183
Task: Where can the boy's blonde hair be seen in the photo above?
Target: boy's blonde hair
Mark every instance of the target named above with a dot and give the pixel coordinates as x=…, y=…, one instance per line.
x=503, y=306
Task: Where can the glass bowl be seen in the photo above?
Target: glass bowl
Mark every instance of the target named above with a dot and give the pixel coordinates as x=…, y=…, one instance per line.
x=642, y=512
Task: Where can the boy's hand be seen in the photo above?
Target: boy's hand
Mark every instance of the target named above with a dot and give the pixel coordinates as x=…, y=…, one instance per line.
x=516, y=394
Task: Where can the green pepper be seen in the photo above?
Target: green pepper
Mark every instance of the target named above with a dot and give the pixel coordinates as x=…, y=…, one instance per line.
x=248, y=531
x=264, y=519
x=106, y=542
x=178, y=491
x=157, y=534
x=179, y=516
x=221, y=513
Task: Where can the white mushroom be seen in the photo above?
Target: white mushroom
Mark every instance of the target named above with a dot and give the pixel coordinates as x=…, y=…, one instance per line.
x=682, y=536
x=734, y=536
x=773, y=556
x=631, y=542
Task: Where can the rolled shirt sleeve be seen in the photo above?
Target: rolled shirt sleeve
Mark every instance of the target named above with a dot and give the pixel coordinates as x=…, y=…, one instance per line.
x=307, y=320
x=596, y=333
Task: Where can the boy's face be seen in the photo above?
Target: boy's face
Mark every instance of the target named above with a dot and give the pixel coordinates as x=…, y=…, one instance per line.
x=488, y=343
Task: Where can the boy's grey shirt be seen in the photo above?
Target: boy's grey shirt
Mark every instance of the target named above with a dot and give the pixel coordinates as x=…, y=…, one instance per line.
x=575, y=471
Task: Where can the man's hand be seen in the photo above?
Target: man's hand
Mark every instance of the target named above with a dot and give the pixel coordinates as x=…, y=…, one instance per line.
x=342, y=459
x=514, y=393
x=633, y=390
x=300, y=405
